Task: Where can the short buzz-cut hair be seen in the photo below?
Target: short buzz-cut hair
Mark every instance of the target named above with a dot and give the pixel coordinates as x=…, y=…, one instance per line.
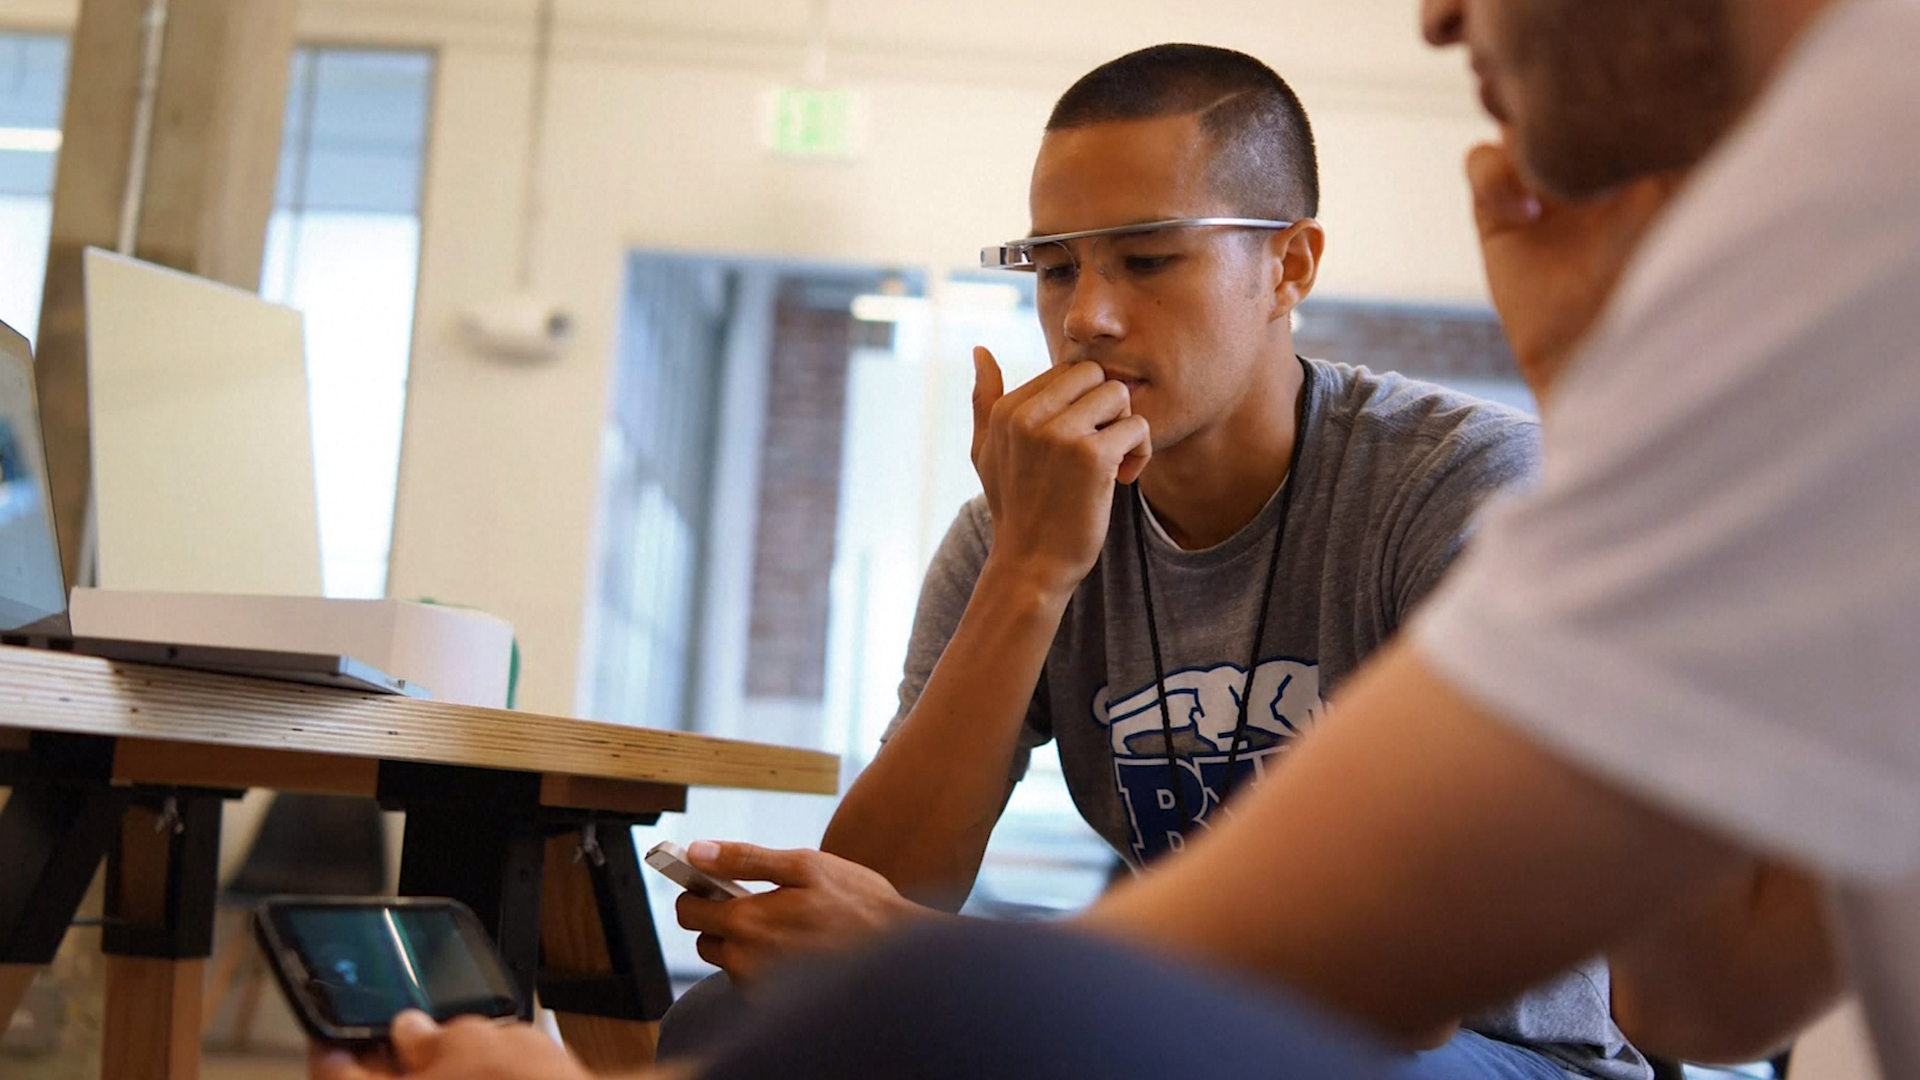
x=1263, y=155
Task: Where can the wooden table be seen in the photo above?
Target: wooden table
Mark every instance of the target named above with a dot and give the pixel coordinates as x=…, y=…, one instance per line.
x=525, y=818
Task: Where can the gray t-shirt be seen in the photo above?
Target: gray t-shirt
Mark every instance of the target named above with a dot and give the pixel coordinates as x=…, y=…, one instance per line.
x=1390, y=476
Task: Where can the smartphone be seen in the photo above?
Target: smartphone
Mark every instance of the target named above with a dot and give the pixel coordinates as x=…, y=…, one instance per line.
x=348, y=965
x=670, y=859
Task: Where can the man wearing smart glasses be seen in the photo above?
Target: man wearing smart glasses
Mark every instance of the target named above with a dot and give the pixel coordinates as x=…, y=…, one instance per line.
x=1188, y=537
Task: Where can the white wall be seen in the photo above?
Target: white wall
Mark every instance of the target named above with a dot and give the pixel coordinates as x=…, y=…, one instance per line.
x=652, y=142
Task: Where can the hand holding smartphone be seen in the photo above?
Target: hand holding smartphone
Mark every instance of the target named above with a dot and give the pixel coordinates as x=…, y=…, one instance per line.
x=670, y=859
x=349, y=965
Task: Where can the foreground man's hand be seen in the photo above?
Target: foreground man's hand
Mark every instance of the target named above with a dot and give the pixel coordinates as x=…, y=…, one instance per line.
x=1048, y=454
x=823, y=903
x=468, y=1048
x=1552, y=265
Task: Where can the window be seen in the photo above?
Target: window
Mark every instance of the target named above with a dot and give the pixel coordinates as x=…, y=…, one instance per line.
x=343, y=247
x=33, y=83
x=656, y=478
x=908, y=474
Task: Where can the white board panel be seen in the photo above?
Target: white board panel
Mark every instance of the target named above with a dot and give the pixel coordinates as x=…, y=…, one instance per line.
x=202, y=447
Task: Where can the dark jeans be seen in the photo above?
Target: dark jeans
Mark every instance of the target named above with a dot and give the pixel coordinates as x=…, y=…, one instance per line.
x=995, y=1000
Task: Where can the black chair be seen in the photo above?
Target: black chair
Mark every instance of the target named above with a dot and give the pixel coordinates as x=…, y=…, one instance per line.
x=308, y=845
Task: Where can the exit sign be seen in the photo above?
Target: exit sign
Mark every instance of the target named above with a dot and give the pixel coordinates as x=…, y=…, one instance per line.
x=812, y=123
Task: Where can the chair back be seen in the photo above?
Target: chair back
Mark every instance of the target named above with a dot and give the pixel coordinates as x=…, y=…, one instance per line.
x=315, y=845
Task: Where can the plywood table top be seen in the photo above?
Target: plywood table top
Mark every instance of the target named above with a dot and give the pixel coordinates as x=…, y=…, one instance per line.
x=167, y=718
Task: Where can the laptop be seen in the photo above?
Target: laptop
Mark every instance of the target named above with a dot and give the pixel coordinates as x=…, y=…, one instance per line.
x=33, y=587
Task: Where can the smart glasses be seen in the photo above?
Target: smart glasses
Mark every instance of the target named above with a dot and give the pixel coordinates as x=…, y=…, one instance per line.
x=1018, y=254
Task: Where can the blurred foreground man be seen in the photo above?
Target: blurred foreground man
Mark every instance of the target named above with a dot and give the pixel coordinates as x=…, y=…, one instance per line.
x=1663, y=708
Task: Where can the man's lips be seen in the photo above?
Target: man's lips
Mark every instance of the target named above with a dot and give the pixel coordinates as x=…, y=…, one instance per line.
x=1131, y=380
x=1120, y=374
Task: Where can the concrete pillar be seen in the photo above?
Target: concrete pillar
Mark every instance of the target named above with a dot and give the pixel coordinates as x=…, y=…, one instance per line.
x=208, y=190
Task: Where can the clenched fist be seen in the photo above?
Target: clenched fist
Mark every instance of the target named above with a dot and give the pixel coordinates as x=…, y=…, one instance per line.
x=1552, y=265
x=1048, y=455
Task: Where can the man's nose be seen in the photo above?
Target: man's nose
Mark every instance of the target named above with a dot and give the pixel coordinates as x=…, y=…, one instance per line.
x=1443, y=21
x=1094, y=309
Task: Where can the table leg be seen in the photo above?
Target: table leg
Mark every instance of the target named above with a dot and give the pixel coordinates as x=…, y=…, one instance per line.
x=58, y=818
x=161, y=885
x=52, y=837
x=601, y=968
x=14, y=980
x=605, y=1045
x=577, y=930
x=152, y=1026
x=488, y=860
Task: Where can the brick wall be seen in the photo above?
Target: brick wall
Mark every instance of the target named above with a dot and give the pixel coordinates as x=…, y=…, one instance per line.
x=799, y=497
x=1432, y=342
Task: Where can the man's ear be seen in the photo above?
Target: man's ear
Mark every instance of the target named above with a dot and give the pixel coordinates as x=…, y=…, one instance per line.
x=1295, y=255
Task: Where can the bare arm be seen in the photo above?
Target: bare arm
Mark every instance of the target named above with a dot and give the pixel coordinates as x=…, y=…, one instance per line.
x=1417, y=860
x=1048, y=455
x=911, y=833
x=922, y=811
x=1733, y=979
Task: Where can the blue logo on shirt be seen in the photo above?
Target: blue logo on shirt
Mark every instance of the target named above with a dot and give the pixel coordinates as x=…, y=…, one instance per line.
x=1204, y=705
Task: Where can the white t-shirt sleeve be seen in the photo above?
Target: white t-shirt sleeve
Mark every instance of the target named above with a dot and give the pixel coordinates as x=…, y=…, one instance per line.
x=1713, y=597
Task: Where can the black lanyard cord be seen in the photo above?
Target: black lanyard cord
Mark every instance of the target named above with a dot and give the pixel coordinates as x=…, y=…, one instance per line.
x=1159, y=669
x=1260, y=623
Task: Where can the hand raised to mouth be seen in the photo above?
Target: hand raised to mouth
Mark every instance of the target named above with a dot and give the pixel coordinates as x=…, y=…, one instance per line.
x=1552, y=265
x=1048, y=454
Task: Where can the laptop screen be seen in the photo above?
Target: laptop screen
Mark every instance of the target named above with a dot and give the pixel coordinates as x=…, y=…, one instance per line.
x=32, y=587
